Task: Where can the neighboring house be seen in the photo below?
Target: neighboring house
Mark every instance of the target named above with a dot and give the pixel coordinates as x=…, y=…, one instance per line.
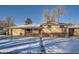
x=24, y=30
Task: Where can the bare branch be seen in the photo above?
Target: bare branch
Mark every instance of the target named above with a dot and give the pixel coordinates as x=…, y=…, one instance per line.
x=46, y=17
x=56, y=13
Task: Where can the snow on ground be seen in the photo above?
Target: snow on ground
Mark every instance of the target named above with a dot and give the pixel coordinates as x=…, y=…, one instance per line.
x=3, y=41
x=33, y=45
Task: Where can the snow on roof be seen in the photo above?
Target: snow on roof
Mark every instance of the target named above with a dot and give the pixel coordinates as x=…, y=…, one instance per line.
x=75, y=26
x=26, y=26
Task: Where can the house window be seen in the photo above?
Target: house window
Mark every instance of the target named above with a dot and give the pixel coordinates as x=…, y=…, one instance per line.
x=29, y=30
x=1, y=28
x=49, y=26
x=61, y=26
x=71, y=31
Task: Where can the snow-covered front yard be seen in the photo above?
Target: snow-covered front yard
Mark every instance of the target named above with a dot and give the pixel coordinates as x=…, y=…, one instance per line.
x=33, y=45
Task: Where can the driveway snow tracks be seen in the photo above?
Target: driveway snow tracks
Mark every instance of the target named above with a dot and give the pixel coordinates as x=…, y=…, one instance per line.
x=62, y=45
x=19, y=44
x=32, y=45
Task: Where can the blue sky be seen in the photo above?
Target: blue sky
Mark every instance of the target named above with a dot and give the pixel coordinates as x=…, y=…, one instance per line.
x=20, y=12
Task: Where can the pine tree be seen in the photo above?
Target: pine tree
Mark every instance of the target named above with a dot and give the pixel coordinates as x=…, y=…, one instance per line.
x=28, y=21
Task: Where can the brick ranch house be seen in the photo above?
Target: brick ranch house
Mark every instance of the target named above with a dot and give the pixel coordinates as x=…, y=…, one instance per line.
x=24, y=30
x=55, y=30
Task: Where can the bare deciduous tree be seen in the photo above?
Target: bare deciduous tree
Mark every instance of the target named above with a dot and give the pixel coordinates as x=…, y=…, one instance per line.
x=8, y=22
x=46, y=16
x=56, y=13
x=4, y=24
